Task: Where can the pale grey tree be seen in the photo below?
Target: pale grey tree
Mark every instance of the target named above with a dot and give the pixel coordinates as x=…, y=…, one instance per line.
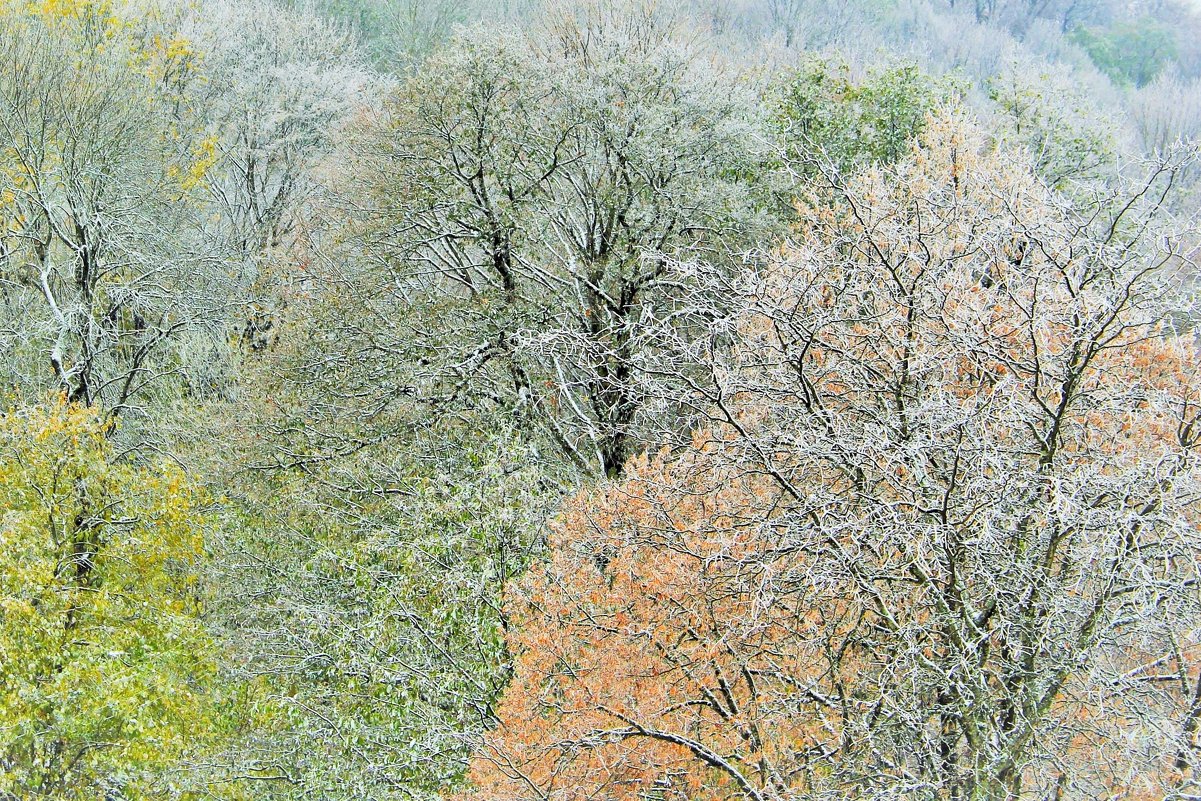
x=102, y=262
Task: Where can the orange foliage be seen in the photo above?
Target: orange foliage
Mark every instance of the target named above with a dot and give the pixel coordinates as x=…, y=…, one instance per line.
x=657, y=631
x=940, y=540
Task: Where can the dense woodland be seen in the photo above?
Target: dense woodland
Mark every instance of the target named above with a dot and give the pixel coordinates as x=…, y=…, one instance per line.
x=600, y=399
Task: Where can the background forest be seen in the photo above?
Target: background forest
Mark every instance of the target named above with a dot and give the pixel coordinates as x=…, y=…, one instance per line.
x=599, y=399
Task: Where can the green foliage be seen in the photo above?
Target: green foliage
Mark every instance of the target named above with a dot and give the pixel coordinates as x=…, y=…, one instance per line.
x=1130, y=52
x=1066, y=135
x=105, y=663
x=823, y=112
x=377, y=621
x=520, y=213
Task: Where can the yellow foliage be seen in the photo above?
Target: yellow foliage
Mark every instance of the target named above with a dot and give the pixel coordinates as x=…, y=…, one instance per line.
x=104, y=658
x=204, y=156
x=94, y=20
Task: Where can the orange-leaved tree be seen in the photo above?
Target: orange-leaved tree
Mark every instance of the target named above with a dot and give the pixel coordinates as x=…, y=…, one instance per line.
x=939, y=540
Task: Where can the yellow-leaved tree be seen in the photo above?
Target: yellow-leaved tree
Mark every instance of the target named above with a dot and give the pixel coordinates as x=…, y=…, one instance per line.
x=104, y=664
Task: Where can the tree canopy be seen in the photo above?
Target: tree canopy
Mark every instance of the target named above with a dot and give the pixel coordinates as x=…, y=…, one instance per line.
x=940, y=540
x=610, y=399
x=107, y=670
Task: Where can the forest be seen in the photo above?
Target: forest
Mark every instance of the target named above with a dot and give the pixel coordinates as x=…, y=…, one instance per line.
x=600, y=400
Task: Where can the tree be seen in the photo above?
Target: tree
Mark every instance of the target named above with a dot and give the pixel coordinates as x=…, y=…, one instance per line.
x=940, y=541
x=276, y=88
x=1020, y=15
x=823, y=114
x=524, y=201
x=418, y=395
x=413, y=30
x=1130, y=52
x=273, y=89
x=376, y=626
x=101, y=259
x=107, y=671
x=1165, y=112
x=1069, y=139
x=398, y=35
x=784, y=16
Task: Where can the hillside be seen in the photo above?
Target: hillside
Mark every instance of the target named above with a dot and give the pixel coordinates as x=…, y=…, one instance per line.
x=539, y=399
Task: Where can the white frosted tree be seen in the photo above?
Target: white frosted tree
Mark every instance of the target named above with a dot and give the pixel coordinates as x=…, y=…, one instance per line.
x=101, y=254
x=940, y=539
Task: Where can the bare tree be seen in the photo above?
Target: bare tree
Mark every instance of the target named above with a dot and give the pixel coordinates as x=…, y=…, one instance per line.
x=101, y=258
x=965, y=352
x=275, y=86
